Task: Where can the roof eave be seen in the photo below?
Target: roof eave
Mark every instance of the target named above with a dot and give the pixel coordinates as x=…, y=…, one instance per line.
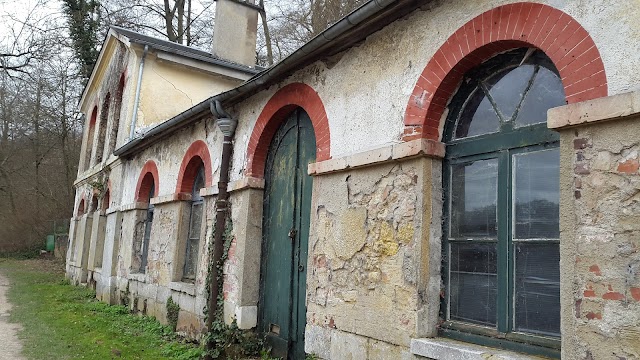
x=350, y=30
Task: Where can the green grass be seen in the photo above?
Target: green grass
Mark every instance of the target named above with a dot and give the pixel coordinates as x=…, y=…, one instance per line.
x=61, y=321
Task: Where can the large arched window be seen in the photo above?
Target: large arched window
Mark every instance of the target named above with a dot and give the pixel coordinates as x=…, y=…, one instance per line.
x=501, y=180
x=91, y=130
x=94, y=203
x=147, y=227
x=102, y=127
x=146, y=189
x=106, y=200
x=81, y=210
x=195, y=225
x=117, y=107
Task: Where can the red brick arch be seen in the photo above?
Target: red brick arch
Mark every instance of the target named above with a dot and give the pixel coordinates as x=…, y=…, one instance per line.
x=506, y=27
x=198, y=153
x=148, y=176
x=275, y=111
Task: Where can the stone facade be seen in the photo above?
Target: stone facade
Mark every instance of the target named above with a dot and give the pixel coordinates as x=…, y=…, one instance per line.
x=374, y=281
x=599, y=194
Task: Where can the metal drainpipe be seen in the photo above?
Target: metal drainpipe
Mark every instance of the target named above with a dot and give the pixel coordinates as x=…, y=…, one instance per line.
x=136, y=103
x=227, y=126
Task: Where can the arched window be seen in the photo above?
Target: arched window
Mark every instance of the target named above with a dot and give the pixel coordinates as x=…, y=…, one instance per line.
x=94, y=203
x=195, y=225
x=147, y=228
x=81, y=210
x=102, y=125
x=105, y=200
x=113, y=136
x=145, y=190
x=501, y=179
x=90, y=135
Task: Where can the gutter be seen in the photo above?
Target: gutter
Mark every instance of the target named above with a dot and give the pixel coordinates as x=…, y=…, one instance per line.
x=228, y=98
x=227, y=125
x=136, y=103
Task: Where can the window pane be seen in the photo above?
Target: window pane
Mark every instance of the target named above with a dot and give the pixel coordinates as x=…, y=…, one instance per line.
x=473, y=283
x=546, y=92
x=537, y=194
x=537, y=292
x=507, y=89
x=196, y=221
x=474, y=195
x=198, y=183
x=478, y=117
x=147, y=236
x=191, y=259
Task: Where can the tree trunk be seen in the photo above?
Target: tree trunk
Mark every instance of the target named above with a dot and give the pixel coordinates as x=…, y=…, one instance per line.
x=267, y=35
x=188, y=28
x=180, y=16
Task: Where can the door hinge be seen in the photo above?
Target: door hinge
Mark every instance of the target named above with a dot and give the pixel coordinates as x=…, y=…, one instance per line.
x=292, y=234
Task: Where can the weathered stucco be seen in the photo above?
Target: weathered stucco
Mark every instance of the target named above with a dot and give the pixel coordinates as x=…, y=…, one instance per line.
x=369, y=257
x=179, y=87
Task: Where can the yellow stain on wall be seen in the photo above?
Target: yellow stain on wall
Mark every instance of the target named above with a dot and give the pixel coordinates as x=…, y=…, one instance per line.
x=386, y=244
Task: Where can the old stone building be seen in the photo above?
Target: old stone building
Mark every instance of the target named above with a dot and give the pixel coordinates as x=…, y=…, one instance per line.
x=424, y=179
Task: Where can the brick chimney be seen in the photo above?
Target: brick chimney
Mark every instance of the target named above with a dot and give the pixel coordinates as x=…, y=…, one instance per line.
x=235, y=31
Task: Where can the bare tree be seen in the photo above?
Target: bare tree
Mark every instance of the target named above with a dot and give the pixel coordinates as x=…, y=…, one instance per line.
x=186, y=22
x=40, y=132
x=26, y=39
x=287, y=25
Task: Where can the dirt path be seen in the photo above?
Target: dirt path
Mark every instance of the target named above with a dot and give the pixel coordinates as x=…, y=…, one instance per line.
x=10, y=346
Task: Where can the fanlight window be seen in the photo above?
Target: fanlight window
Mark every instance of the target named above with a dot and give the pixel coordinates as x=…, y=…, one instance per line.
x=501, y=246
x=510, y=97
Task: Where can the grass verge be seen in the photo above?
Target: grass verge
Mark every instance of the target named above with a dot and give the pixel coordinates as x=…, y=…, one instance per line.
x=61, y=321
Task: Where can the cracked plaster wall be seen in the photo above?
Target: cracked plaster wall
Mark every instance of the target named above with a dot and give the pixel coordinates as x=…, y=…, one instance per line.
x=169, y=89
x=370, y=254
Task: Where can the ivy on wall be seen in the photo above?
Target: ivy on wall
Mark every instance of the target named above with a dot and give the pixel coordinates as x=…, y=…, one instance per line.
x=228, y=341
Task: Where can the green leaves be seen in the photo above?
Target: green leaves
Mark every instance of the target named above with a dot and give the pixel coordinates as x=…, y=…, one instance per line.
x=229, y=341
x=83, y=19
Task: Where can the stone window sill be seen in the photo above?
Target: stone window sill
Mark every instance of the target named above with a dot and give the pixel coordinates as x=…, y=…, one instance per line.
x=139, y=277
x=440, y=349
x=183, y=287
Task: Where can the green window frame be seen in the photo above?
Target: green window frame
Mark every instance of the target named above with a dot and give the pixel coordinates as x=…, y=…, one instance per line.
x=501, y=227
x=148, y=223
x=196, y=214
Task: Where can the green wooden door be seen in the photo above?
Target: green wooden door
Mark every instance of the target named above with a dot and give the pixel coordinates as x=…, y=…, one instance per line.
x=287, y=204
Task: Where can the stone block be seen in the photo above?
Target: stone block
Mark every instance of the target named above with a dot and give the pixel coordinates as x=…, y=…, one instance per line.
x=189, y=324
x=601, y=109
x=332, y=165
x=369, y=157
x=187, y=302
x=346, y=346
x=380, y=350
x=445, y=349
x=201, y=302
x=247, y=316
x=352, y=235
x=317, y=341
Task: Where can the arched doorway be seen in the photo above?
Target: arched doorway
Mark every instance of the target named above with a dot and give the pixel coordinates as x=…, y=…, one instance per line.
x=285, y=224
